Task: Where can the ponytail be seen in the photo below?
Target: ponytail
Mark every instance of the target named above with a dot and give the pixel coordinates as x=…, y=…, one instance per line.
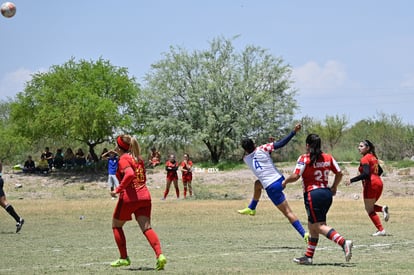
x=314, y=144
x=129, y=144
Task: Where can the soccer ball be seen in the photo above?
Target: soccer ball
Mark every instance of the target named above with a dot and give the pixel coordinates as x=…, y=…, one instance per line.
x=8, y=9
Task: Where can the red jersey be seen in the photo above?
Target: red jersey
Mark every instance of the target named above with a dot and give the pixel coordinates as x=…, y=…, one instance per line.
x=132, y=189
x=372, y=161
x=171, y=170
x=186, y=170
x=317, y=175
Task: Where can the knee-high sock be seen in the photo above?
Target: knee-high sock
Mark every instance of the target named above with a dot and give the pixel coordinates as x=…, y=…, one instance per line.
x=120, y=241
x=177, y=192
x=153, y=240
x=298, y=226
x=253, y=204
x=376, y=221
x=9, y=208
x=312, y=243
x=377, y=208
x=335, y=237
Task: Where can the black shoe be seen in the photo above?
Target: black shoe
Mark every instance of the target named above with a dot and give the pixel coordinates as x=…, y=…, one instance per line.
x=19, y=225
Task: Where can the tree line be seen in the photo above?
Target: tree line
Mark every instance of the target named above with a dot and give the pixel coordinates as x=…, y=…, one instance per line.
x=202, y=101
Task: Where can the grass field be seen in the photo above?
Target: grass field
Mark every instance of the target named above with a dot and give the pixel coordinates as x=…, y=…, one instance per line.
x=198, y=236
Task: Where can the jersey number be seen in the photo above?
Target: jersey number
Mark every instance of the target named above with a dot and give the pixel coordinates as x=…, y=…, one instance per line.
x=257, y=164
x=321, y=176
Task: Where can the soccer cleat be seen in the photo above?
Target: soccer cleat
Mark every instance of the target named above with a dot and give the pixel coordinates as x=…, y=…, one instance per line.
x=161, y=261
x=385, y=212
x=306, y=237
x=348, y=250
x=247, y=211
x=121, y=262
x=379, y=233
x=303, y=260
x=19, y=225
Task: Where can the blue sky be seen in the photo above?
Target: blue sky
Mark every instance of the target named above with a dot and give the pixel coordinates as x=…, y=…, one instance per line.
x=352, y=58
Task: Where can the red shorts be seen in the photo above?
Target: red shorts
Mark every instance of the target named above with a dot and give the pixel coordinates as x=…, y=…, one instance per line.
x=124, y=210
x=172, y=177
x=373, y=190
x=187, y=178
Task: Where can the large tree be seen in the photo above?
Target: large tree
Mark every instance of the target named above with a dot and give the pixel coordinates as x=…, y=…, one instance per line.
x=219, y=95
x=86, y=101
x=11, y=144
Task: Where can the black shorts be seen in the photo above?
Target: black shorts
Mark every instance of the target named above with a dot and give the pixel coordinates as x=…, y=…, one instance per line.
x=1, y=187
x=317, y=204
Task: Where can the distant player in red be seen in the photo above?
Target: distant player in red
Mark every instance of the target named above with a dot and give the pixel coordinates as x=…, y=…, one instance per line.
x=370, y=172
x=314, y=168
x=186, y=168
x=172, y=176
x=134, y=198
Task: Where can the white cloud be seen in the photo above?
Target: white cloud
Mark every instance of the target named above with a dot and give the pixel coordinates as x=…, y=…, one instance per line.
x=316, y=79
x=14, y=82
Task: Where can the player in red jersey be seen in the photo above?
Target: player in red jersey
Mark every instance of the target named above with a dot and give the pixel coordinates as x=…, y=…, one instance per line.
x=172, y=177
x=186, y=168
x=134, y=198
x=370, y=172
x=314, y=168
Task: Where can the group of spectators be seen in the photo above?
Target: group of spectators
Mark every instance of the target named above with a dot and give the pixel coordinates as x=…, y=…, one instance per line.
x=60, y=160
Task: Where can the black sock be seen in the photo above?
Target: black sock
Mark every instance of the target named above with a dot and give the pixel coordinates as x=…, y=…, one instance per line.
x=9, y=208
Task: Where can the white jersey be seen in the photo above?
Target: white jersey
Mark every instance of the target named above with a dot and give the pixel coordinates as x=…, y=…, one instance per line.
x=260, y=162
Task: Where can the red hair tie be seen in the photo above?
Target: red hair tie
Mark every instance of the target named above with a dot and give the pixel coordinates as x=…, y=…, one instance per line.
x=121, y=144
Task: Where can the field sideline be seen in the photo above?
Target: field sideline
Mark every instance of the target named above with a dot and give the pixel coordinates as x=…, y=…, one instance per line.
x=198, y=236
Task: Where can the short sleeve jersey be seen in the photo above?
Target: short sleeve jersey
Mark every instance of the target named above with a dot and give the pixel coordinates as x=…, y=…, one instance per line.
x=112, y=165
x=372, y=161
x=317, y=175
x=184, y=171
x=137, y=187
x=261, y=164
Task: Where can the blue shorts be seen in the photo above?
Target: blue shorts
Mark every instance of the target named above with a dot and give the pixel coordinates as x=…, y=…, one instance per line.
x=275, y=192
x=317, y=204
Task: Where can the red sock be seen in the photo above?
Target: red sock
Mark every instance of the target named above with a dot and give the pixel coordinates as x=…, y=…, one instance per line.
x=166, y=193
x=376, y=221
x=312, y=243
x=177, y=192
x=335, y=237
x=120, y=241
x=185, y=192
x=153, y=240
x=377, y=208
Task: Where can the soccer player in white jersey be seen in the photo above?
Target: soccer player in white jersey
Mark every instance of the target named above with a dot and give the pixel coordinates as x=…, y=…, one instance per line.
x=260, y=162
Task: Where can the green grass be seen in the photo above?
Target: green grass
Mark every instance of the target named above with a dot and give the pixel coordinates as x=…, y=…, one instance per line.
x=198, y=236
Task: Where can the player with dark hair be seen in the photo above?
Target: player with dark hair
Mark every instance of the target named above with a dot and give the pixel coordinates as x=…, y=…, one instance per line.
x=6, y=205
x=134, y=198
x=259, y=161
x=171, y=166
x=370, y=172
x=314, y=168
x=186, y=168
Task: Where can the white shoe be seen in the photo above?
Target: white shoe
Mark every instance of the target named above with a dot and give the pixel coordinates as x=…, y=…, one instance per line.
x=385, y=212
x=348, y=250
x=380, y=233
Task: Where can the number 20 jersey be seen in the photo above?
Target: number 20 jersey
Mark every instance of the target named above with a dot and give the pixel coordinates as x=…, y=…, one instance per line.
x=317, y=175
